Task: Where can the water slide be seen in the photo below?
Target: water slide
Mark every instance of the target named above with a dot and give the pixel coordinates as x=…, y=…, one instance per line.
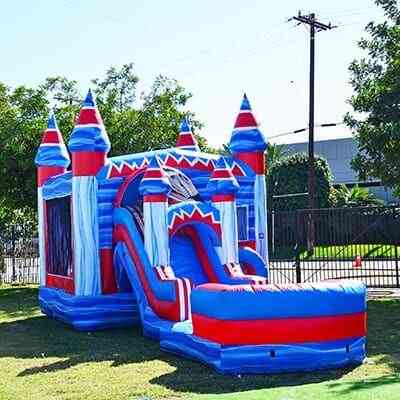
x=234, y=326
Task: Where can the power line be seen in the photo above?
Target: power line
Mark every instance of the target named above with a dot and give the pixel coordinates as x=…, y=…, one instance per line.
x=305, y=129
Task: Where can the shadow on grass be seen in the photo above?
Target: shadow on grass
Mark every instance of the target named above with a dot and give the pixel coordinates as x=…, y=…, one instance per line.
x=43, y=338
x=18, y=301
x=346, y=387
x=40, y=337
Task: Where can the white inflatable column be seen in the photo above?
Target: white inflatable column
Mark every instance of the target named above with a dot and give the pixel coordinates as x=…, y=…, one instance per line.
x=260, y=214
x=89, y=145
x=85, y=236
x=155, y=208
x=154, y=187
x=227, y=210
x=223, y=186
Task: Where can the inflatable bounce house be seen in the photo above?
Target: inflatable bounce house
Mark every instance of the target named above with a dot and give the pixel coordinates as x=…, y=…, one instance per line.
x=175, y=240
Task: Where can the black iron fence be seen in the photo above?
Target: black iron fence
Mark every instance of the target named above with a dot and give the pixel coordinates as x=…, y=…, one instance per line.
x=19, y=254
x=356, y=243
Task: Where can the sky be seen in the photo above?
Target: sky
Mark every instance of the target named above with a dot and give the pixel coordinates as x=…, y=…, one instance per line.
x=216, y=49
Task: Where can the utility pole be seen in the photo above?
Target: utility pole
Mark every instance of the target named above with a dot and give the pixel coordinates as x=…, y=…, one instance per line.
x=315, y=26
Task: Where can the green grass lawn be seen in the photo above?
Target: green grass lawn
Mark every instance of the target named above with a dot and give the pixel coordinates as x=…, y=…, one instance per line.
x=353, y=250
x=383, y=251
x=44, y=359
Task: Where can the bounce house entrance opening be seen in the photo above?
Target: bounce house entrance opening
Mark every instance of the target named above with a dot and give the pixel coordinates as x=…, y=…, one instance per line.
x=59, y=270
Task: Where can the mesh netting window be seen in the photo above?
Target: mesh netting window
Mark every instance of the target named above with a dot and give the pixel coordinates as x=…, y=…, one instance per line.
x=242, y=221
x=59, y=249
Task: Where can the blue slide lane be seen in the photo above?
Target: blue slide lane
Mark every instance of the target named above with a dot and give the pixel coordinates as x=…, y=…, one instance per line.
x=245, y=255
x=164, y=290
x=184, y=260
x=251, y=257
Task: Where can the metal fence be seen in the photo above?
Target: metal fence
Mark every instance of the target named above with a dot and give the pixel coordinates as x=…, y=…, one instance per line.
x=356, y=243
x=19, y=254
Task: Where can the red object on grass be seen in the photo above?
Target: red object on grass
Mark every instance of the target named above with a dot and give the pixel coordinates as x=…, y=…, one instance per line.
x=357, y=263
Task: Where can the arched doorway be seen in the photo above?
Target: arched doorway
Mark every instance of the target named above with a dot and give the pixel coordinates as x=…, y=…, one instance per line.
x=195, y=233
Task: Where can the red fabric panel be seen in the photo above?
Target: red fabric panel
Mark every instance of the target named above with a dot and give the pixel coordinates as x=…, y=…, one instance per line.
x=248, y=269
x=51, y=136
x=245, y=119
x=165, y=309
x=65, y=283
x=44, y=173
x=280, y=331
x=221, y=173
x=237, y=171
x=153, y=173
x=185, y=140
x=248, y=243
x=155, y=198
x=108, y=283
x=89, y=116
x=87, y=163
x=255, y=160
x=219, y=198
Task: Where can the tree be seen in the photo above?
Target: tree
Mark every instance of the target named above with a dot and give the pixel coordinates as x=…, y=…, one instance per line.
x=118, y=89
x=376, y=101
x=133, y=126
x=288, y=176
x=275, y=154
x=354, y=197
x=155, y=124
x=22, y=117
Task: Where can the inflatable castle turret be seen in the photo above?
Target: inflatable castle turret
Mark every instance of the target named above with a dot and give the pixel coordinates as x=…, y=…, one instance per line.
x=89, y=145
x=223, y=187
x=155, y=187
x=51, y=159
x=186, y=139
x=248, y=145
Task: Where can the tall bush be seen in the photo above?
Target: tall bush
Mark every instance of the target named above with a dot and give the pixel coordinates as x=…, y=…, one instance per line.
x=290, y=176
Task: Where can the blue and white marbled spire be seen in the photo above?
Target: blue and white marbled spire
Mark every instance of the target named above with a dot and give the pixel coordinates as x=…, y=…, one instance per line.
x=52, y=151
